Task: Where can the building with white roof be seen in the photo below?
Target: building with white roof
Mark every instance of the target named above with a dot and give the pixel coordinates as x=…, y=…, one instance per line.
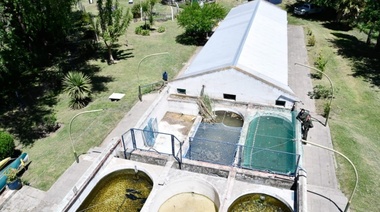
x=245, y=60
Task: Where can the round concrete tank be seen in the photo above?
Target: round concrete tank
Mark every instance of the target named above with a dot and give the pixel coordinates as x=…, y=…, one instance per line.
x=259, y=202
x=122, y=190
x=187, y=195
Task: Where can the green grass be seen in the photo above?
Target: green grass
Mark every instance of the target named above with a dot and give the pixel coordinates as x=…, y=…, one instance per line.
x=354, y=120
x=52, y=155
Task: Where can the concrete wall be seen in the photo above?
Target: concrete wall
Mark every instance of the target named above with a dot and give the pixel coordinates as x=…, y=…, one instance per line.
x=188, y=107
x=245, y=87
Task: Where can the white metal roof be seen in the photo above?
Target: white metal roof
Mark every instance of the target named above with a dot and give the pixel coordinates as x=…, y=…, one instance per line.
x=252, y=39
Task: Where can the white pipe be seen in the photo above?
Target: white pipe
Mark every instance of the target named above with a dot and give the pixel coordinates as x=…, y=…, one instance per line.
x=345, y=157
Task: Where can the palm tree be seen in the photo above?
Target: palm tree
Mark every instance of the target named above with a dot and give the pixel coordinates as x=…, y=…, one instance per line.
x=78, y=86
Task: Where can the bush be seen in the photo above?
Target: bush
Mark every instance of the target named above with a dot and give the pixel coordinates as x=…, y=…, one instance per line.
x=320, y=64
x=78, y=86
x=50, y=123
x=11, y=175
x=7, y=145
x=138, y=30
x=320, y=92
x=145, y=32
x=161, y=29
x=311, y=40
x=136, y=13
x=326, y=109
x=309, y=32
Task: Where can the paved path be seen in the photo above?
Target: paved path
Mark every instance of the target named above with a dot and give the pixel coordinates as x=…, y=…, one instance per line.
x=31, y=199
x=322, y=185
x=323, y=193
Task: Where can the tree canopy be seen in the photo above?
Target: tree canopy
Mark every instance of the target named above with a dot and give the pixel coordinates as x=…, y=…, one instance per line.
x=34, y=39
x=357, y=12
x=199, y=21
x=111, y=23
x=32, y=34
x=370, y=17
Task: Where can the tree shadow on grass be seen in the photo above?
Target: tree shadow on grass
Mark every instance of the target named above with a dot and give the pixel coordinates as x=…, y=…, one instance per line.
x=28, y=123
x=365, y=59
x=188, y=39
x=121, y=54
x=99, y=83
x=117, y=54
x=26, y=109
x=337, y=26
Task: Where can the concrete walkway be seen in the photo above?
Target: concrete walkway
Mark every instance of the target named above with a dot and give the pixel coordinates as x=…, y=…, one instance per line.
x=322, y=185
x=323, y=190
x=31, y=199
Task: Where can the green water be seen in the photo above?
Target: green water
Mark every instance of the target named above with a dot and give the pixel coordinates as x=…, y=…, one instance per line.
x=119, y=191
x=258, y=203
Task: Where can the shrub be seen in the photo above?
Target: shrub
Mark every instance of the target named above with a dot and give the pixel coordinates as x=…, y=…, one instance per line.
x=320, y=92
x=309, y=32
x=136, y=13
x=7, y=145
x=320, y=64
x=50, y=123
x=138, y=30
x=161, y=29
x=145, y=32
x=12, y=175
x=326, y=109
x=78, y=86
x=311, y=40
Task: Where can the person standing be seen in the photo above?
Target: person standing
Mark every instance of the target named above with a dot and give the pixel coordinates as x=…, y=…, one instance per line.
x=305, y=126
x=302, y=115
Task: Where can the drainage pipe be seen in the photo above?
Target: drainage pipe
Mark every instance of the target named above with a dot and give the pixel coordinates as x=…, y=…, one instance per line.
x=301, y=191
x=353, y=166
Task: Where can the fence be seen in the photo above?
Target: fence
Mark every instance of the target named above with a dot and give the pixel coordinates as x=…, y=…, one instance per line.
x=144, y=89
x=243, y=156
x=150, y=140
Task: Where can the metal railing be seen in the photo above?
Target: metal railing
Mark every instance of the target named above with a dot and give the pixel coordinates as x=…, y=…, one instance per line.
x=137, y=139
x=243, y=156
x=144, y=89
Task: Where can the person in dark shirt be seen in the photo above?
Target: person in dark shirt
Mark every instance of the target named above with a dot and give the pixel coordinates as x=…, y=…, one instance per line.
x=302, y=115
x=305, y=126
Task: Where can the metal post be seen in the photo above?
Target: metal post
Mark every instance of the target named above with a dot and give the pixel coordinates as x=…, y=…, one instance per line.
x=123, y=142
x=172, y=141
x=140, y=94
x=133, y=139
x=180, y=155
x=71, y=139
x=331, y=84
x=353, y=166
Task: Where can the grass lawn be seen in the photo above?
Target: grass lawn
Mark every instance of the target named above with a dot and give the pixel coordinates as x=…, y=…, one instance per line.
x=51, y=156
x=354, y=118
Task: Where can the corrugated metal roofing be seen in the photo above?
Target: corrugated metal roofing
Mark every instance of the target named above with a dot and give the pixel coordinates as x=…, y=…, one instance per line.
x=253, y=39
